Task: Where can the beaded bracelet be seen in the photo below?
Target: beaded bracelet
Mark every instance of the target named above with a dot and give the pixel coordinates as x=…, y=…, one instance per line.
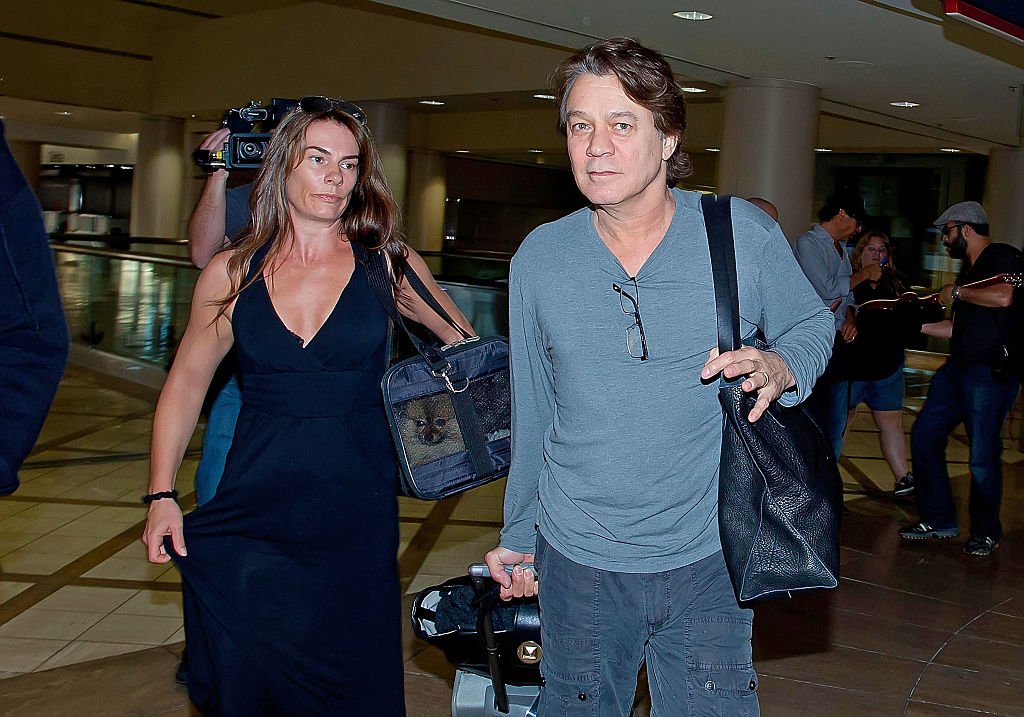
x=172, y=494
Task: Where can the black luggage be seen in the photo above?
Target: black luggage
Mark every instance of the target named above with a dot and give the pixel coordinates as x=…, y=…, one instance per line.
x=494, y=645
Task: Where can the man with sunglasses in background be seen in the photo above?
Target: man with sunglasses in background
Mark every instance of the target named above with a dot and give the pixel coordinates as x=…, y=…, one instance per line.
x=821, y=252
x=976, y=386
x=218, y=220
x=616, y=421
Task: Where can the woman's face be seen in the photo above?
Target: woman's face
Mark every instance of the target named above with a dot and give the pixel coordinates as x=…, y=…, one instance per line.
x=874, y=252
x=320, y=185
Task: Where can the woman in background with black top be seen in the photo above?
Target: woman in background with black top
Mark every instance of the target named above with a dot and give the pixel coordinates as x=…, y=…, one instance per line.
x=877, y=356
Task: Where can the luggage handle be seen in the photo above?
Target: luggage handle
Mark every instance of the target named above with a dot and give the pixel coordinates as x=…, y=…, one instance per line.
x=487, y=598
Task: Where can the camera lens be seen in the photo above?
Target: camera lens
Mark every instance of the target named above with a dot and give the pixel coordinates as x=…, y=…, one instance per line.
x=249, y=150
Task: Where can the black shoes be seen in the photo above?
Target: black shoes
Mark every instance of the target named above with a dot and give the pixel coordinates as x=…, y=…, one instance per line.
x=927, y=531
x=181, y=674
x=904, y=486
x=980, y=545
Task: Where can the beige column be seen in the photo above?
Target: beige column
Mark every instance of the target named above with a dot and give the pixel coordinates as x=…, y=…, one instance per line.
x=1004, y=195
x=768, y=140
x=424, y=219
x=159, y=179
x=26, y=155
x=389, y=125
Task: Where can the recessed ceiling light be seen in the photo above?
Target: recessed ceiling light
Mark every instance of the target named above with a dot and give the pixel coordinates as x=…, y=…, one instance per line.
x=694, y=90
x=63, y=114
x=535, y=151
x=712, y=149
x=432, y=103
x=692, y=15
x=544, y=97
x=948, y=149
x=856, y=64
x=822, y=149
x=905, y=103
x=462, y=151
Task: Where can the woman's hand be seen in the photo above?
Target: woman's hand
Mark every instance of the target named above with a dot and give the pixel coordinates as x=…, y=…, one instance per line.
x=164, y=519
x=766, y=371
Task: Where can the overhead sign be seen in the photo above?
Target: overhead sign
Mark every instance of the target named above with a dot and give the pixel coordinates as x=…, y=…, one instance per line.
x=1000, y=17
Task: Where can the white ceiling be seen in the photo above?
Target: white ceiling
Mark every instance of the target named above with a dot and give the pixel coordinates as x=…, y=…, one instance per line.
x=863, y=54
x=968, y=82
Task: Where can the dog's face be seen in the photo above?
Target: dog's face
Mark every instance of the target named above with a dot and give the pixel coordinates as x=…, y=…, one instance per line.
x=429, y=429
x=430, y=420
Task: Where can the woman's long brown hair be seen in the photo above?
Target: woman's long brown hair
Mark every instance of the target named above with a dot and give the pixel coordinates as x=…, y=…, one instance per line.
x=372, y=217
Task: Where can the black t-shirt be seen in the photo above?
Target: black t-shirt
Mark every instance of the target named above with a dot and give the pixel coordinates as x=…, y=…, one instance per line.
x=237, y=214
x=881, y=336
x=980, y=332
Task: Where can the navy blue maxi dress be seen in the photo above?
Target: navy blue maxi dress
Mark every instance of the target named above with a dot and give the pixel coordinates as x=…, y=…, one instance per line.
x=291, y=592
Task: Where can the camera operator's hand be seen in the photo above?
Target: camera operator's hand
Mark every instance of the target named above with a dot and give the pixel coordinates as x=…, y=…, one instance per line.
x=214, y=142
x=206, y=225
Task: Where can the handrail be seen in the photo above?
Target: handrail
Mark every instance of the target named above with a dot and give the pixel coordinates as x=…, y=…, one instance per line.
x=476, y=256
x=116, y=238
x=125, y=255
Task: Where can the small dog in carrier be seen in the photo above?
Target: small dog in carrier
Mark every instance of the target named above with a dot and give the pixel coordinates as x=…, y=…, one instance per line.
x=494, y=645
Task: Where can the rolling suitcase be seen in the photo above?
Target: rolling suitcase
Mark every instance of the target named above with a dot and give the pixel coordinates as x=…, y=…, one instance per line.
x=494, y=645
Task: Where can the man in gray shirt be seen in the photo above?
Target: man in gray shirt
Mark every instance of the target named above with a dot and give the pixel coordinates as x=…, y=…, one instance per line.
x=821, y=252
x=617, y=426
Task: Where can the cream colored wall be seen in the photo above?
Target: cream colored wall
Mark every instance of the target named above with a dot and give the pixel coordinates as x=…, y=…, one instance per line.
x=316, y=48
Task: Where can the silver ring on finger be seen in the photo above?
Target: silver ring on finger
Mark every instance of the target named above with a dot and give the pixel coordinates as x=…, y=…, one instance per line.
x=767, y=378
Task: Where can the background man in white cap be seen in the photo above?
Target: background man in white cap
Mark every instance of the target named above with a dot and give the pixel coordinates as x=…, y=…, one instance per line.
x=976, y=386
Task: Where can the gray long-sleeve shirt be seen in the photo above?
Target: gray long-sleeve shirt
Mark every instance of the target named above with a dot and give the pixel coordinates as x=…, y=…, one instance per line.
x=616, y=459
x=828, y=272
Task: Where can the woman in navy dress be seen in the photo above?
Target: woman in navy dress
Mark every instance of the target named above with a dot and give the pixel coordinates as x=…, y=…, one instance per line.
x=289, y=573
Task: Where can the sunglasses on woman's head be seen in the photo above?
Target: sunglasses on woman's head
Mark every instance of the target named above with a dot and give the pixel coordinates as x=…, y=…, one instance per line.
x=316, y=105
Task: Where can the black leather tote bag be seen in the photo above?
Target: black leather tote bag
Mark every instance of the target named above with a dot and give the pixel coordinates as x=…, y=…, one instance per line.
x=779, y=491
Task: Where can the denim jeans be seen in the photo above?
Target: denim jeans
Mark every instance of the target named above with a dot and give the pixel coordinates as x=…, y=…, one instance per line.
x=598, y=626
x=220, y=431
x=837, y=413
x=966, y=393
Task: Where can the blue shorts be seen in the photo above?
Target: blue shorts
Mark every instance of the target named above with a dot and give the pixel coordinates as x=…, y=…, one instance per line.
x=884, y=394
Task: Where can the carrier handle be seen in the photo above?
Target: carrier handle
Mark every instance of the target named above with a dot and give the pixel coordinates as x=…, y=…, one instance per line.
x=487, y=599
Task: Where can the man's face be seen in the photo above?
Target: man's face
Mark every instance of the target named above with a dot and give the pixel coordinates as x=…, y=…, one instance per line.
x=616, y=152
x=849, y=226
x=320, y=186
x=953, y=238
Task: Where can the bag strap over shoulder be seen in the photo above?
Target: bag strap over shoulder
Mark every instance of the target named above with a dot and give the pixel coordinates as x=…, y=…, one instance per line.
x=718, y=222
x=379, y=277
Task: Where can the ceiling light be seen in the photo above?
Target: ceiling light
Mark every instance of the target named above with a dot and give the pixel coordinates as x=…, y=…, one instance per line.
x=822, y=149
x=544, y=97
x=712, y=149
x=695, y=90
x=535, y=151
x=905, y=103
x=432, y=103
x=63, y=114
x=692, y=15
x=462, y=151
x=948, y=149
x=856, y=64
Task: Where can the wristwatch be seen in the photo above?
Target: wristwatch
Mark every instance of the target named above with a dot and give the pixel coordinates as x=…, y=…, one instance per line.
x=955, y=294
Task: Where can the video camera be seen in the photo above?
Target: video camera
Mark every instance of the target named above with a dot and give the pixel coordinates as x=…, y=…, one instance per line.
x=245, y=149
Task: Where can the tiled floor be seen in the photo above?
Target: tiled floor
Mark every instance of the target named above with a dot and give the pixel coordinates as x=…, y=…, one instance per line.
x=87, y=626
